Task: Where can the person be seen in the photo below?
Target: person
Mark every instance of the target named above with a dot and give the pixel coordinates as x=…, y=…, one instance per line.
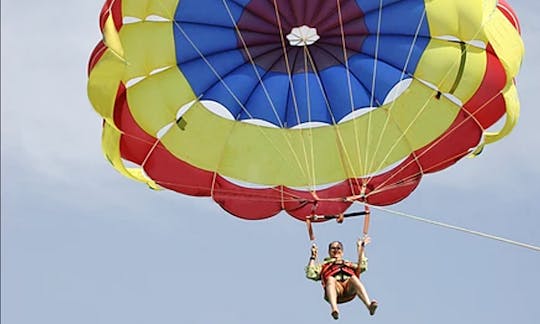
x=339, y=277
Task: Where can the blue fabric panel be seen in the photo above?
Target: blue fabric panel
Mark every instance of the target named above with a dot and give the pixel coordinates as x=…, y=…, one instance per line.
x=394, y=50
x=277, y=87
x=209, y=11
x=311, y=105
x=336, y=86
x=400, y=18
x=240, y=83
x=368, y=6
x=208, y=25
x=188, y=49
x=200, y=74
x=386, y=77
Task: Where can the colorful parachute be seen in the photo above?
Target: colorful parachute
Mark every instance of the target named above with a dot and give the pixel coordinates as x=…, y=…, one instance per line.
x=301, y=105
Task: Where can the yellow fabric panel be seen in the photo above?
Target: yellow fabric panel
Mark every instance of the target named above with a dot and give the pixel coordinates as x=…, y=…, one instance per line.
x=111, y=37
x=373, y=141
x=440, y=66
x=144, y=8
x=104, y=79
x=148, y=46
x=155, y=100
x=473, y=73
x=297, y=157
x=303, y=157
x=254, y=153
x=264, y=155
x=508, y=45
x=512, y=114
x=420, y=116
x=460, y=18
x=506, y=42
x=202, y=139
x=103, y=83
x=110, y=143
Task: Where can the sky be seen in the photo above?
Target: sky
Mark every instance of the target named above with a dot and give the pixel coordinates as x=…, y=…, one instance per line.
x=82, y=244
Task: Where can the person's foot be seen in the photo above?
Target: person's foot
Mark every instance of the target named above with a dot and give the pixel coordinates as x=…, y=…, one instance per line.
x=373, y=307
x=335, y=314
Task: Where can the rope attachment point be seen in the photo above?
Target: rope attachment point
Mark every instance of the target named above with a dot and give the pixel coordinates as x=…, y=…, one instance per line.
x=339, y=219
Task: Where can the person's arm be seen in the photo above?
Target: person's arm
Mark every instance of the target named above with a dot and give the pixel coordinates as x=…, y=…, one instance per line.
x=362, y=260
x=313, y=270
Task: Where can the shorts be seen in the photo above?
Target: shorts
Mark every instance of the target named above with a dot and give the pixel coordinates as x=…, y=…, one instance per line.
x=345, y=292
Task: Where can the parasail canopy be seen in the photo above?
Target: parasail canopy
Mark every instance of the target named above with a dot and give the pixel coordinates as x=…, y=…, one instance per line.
x=301, y=105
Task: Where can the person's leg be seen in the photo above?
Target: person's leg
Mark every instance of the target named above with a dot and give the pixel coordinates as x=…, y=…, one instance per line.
x=331, y=290
x=362, y=293
x=359, y=289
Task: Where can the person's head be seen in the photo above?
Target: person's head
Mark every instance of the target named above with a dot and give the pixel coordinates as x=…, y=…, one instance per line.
x=335, y=249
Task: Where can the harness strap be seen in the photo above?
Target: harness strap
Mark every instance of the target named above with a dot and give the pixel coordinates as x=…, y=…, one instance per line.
x=330, y=269
x=312, y=216
x=310, y=229
x=367, y=213
x=365, y=231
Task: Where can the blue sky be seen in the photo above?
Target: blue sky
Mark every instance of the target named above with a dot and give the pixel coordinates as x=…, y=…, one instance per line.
x=81, y=244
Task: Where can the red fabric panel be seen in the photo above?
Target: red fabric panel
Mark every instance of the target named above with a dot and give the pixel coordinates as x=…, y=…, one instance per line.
x=247, y=203
x=453, y=145
x=510, y=14
x=177, y=175
x=97, y=53
x=135, y=143
x=485, y=108
x=488, y=105
x=394, y=185
x=172, y=173
x=161, y=166
x=384, y=189
x=114, y=8
x=300, y=204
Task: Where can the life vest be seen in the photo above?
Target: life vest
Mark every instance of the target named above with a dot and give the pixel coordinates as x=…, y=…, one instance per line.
x=331, y=268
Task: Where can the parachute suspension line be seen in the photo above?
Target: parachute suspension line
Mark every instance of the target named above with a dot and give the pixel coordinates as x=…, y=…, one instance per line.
x=444, y=136
x=388, y=118
x=351, y=101
x=233, y=194
x=345, y=157
x=267, y=94
x=212, y=188
x=291, y=83
x=313, y=66
x=463, y=49
x=312, y=179
x=246, y=48
x=373, y=80
x=233, y=95
x=286, y=58
x=460, y=229
x=159, y=137
x=150, y=151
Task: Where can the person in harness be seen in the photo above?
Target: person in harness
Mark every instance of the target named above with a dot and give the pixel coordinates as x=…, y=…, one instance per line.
x=339, y=277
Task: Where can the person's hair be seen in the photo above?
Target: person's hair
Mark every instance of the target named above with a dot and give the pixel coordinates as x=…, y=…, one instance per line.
x=338, y=242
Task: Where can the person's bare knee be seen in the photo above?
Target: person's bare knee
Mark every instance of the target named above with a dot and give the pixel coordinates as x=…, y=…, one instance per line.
x=331, y=282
